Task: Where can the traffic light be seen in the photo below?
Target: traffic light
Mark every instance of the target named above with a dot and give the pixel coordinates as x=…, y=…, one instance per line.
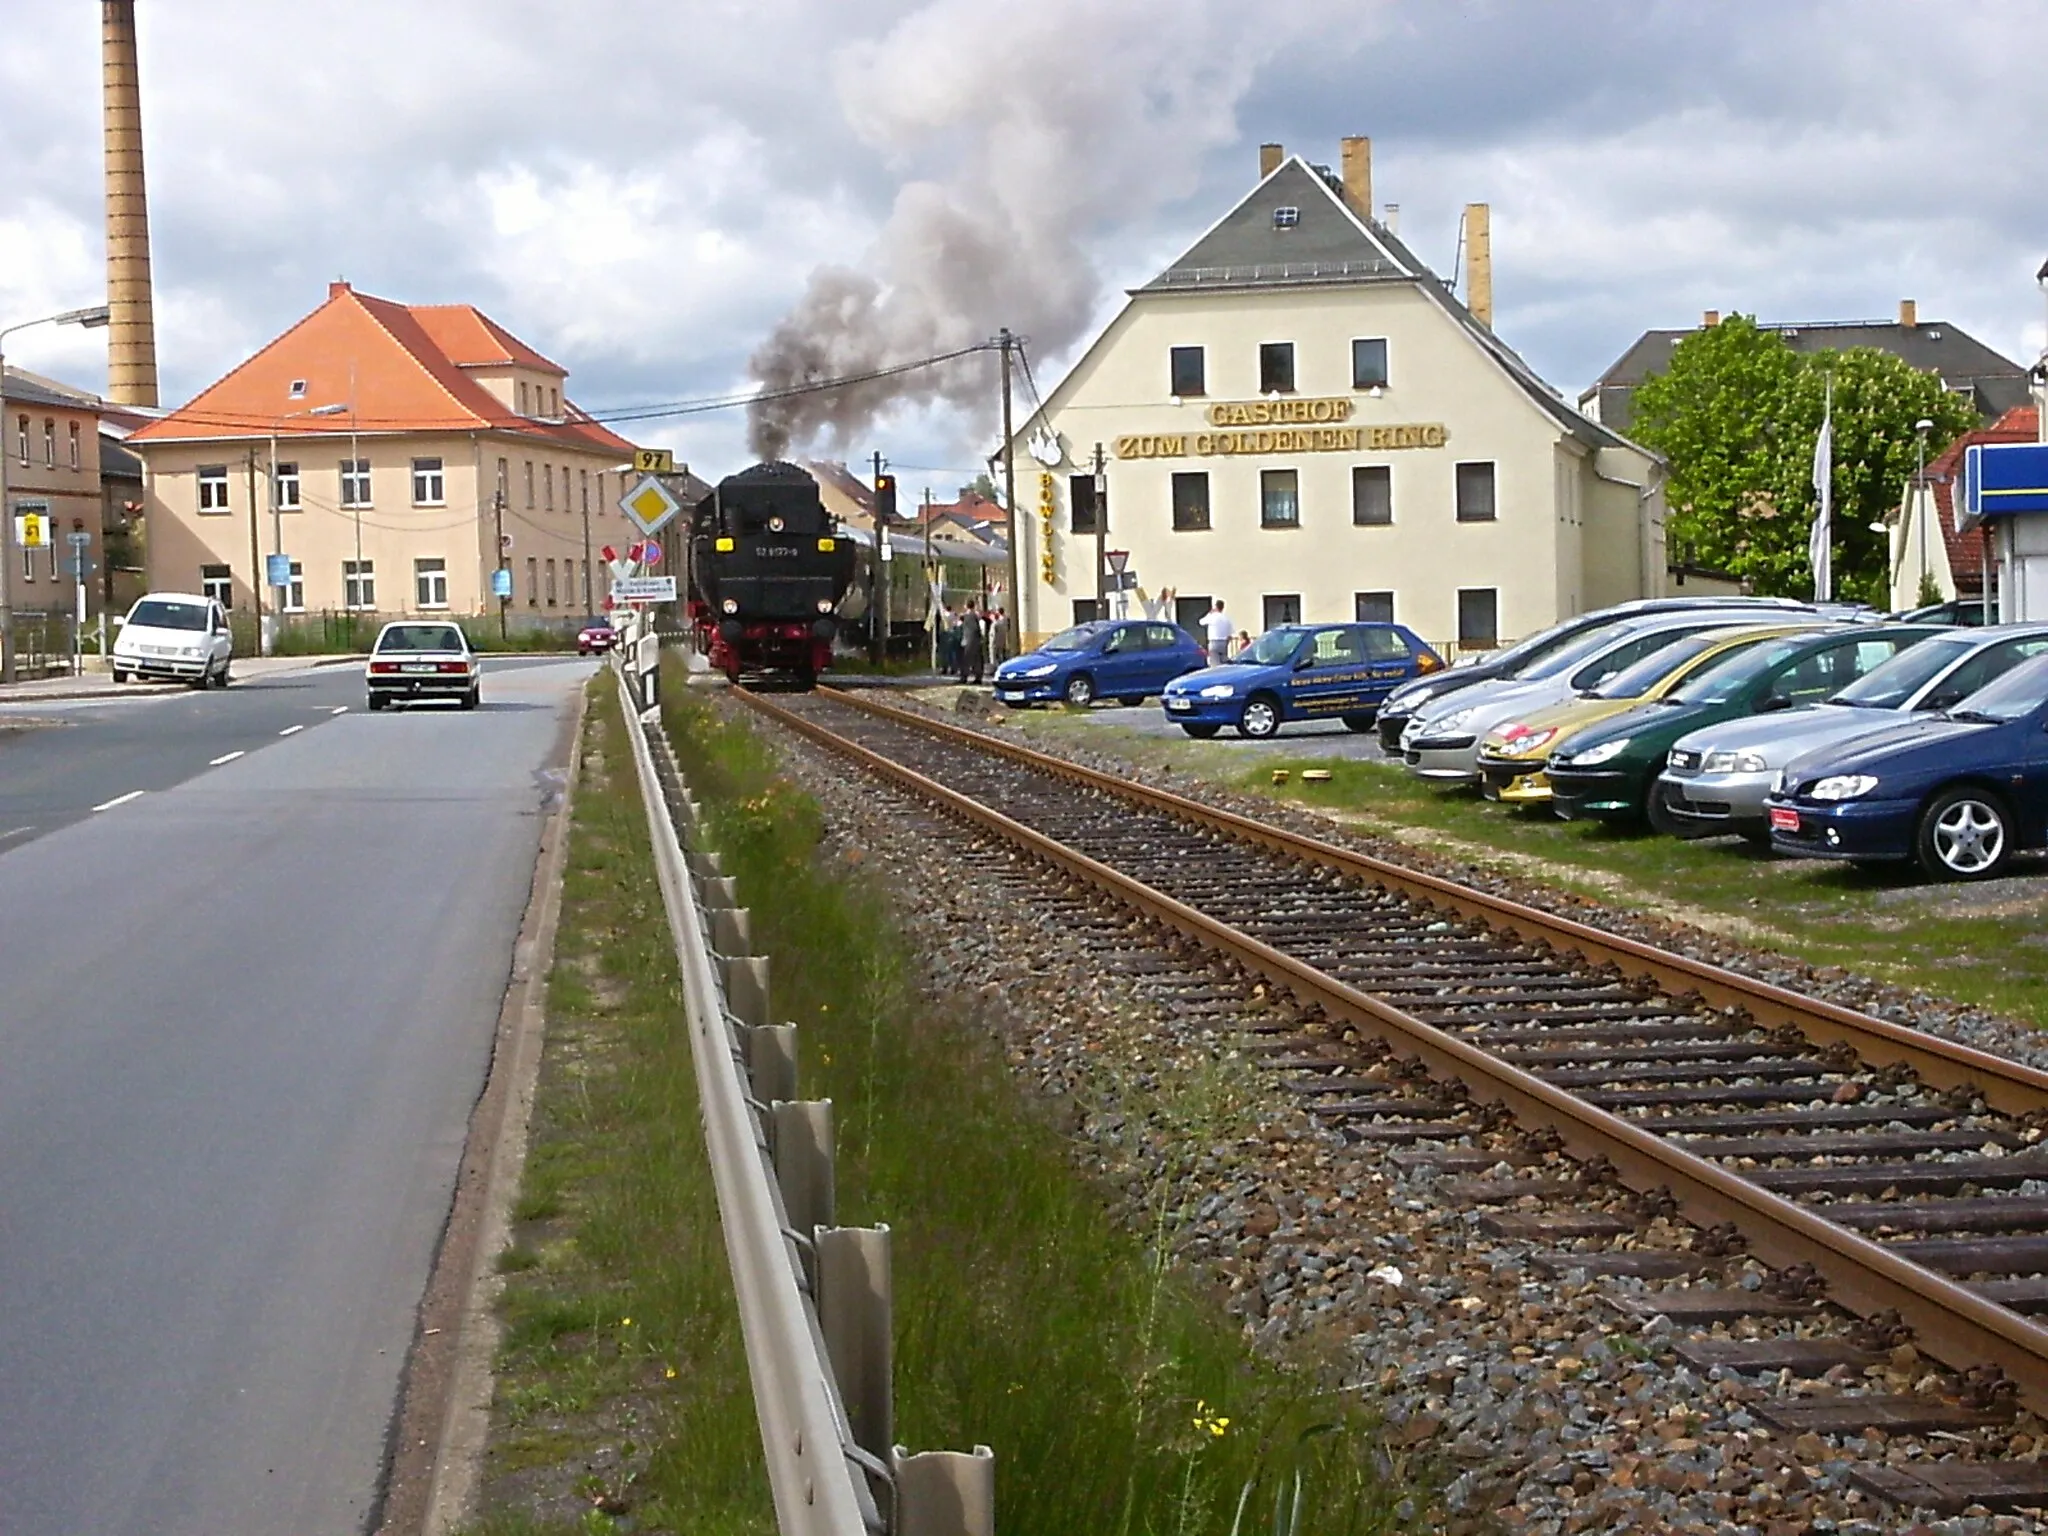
x=885, y=498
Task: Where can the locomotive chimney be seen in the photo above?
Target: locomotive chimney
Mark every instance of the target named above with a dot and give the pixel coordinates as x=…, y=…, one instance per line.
x=131, y=342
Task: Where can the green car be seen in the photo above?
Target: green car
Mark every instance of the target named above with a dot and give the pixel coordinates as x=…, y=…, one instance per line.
x=1610, y=769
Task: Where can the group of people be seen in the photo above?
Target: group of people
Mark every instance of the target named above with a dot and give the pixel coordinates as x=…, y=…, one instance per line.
x=1216, y=633
x=971, y=640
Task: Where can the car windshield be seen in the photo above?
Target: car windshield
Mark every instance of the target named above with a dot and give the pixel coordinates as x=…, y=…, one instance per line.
x=420, y=637
x=1532, y=649
x=2019, y=693
x=1079, y=638
x=1566, y=657
x=1273, y=647
x=1723, y=680
x=1889, y=685
x=1633, y=682
x=155, y=613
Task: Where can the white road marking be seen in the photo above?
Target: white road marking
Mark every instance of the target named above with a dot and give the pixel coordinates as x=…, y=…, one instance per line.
x=339, y=709
x=229, y=758
x=17, y=832
x=133, y=794
x=291, y=730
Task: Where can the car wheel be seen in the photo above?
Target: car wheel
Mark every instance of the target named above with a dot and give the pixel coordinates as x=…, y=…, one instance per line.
x=1261, y=718
x=377, y=701
x=1360, y=723
x=1965, y=834
x=1759, y=840
x=1658, y=809
x=225, y=668
x=120, y=674
x=1080, y=690
x=474, y=697
x=1201, y=732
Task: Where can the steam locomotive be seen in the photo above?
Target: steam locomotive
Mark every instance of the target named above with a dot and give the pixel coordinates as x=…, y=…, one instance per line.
x=768, y=566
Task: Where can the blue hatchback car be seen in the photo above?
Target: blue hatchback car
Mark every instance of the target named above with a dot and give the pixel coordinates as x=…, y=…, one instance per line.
x=1122, y=659
x=1301, y=672
x=1958, y=791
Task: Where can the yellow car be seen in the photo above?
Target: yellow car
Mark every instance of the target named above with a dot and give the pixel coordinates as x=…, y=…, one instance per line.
x=1511, y=756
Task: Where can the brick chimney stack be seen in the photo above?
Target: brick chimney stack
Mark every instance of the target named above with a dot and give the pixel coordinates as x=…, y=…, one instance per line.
x=131, y=338
x=1357, y=168
x=1479, y=262
x=1270, y=156
x=1909, y=314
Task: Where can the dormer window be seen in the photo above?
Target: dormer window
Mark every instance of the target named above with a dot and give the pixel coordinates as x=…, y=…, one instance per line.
x=1286, y=218
x=297, y=390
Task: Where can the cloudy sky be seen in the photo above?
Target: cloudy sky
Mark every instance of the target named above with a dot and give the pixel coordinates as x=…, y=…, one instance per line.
x=646, y=191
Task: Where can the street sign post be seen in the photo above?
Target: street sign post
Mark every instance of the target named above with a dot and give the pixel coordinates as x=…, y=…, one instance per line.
x=277, y=570
x=650, y=505
x=641, y=590
x=501, y=582
x=654, y=461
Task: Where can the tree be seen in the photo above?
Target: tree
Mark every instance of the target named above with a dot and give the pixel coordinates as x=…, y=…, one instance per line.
x=983, y=487
x=1736, y=415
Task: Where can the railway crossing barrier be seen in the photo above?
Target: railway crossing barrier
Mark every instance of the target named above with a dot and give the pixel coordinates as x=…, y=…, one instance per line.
x=815, y=1299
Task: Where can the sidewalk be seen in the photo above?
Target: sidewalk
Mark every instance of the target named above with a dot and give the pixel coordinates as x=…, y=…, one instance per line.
x=101, y=685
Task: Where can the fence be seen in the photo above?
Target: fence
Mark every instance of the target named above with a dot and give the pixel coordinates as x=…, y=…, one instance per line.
x=335, y=631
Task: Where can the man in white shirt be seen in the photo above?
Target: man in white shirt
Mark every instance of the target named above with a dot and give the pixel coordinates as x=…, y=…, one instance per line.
x=1216, y=626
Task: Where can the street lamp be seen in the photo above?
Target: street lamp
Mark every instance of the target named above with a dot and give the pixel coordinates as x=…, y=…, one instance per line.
x=277, y=518
x=92, y=318
x=1920, y=430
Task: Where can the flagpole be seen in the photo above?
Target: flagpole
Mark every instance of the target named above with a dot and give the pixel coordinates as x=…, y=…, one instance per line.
x=1819, y=550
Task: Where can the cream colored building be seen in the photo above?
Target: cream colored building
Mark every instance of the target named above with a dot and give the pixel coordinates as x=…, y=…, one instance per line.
x=1298, y=417
x=396, y=452
x=52, y=439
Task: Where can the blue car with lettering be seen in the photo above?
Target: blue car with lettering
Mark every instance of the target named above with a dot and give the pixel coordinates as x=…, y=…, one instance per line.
x=1123, y=659
x=1301, y=672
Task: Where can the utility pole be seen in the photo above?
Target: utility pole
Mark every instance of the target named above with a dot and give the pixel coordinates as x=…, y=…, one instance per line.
x=1101, y=534
x=934, y=592
x=878, y=590
x=1011, y=615
x=255, y=556
x=498, y=520
x=588, y=611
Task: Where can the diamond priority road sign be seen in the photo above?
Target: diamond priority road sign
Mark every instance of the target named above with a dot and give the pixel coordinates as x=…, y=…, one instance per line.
x=650, y=504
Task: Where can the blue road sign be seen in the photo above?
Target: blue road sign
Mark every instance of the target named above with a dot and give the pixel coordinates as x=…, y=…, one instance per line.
x=278, y=569
x=501, y=582
x=2003, y=478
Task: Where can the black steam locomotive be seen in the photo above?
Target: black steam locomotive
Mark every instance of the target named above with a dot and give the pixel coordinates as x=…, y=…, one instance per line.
x=768, y=566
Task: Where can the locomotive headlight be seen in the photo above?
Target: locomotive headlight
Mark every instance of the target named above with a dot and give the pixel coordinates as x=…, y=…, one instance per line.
x=775, y=525
x=731, y=605
x=723, y=546
x=826, y=546
x=824, y=605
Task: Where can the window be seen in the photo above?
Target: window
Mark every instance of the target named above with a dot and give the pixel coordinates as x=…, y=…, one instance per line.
x=1086, y=610
x=1276, y=368
x=583, y=483
x=213, y=487
x=522, y=397
x=551, y=584
x=1386, y=644
x=359, y=583
x=1191, y=501
x=1081, y=497
x=49, y=442
x=1478, y=618
x=295, y=590
x=430, y=583
x=21, y=436
x=1369, y=363
x=218, y=583
x=1475, y=493
x=1286, y=218
x=1279, y=498
x=529, y=485
x=1373, y=607
x=503, y=482
x=76, y=463
x=28, y=565
x=50, y=555
x=1185, y=367
x=555, y=409
x=1281, y=608
x=427, y=486
x=532, y=582
x=355, y=482
x=297, y=390
x=1188, y=613
x=1160, y=637
x=547, y=480
x=288, y=487
x=1372, y=495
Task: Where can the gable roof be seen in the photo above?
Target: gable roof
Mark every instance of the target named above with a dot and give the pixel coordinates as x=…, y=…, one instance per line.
x=20, y=387
x=2021, y=424
x=388, y=361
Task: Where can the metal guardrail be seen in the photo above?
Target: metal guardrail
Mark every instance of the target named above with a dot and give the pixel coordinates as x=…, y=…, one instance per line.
x=814, y=1298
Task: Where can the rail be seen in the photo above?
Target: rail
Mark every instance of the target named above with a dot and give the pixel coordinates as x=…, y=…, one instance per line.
x=1953, y=1323
x=813, y=1297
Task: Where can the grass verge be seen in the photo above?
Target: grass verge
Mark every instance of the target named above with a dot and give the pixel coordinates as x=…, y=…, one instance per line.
x=622, y=1401
x=1118, y=1401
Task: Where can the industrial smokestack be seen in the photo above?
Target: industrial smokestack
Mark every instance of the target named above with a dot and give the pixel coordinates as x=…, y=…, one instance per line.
x=131, y=340
x=1479, y=262
x=1357, y=170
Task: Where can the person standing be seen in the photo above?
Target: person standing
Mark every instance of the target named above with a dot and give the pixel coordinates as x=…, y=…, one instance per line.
x=1216, y=627
x=973, y=644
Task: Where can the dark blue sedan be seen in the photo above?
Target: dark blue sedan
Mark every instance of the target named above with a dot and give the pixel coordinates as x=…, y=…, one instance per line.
x=1121, y=659
x=1301, y=672
x=1959, y=792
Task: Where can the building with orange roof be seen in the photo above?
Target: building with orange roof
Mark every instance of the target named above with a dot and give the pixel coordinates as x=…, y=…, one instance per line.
x=1927, y=529
x=396, y=455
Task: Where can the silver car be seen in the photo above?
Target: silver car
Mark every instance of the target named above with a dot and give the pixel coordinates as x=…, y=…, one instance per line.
x=1442, y=744
x=1716, y=778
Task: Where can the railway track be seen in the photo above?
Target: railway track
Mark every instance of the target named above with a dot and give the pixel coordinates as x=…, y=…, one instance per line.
x=1891, y=1174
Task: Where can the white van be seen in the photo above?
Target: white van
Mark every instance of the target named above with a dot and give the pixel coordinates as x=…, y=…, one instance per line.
x=177, y=637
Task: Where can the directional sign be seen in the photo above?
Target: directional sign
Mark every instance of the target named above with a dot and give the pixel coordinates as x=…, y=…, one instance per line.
x=644, y=589
x=650, y=504
x=654, y=461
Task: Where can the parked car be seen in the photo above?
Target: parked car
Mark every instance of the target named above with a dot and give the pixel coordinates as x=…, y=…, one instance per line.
x=1121, y=659
x=1960, y=610
x=1716, y=779
x=1441, y=743
x=176, y=636
x=1300, y=672
x=1608, y=773
x=1512, y=755
x=415, y=660
x=1515, y=660
x=1959, y=791
x=596, y=637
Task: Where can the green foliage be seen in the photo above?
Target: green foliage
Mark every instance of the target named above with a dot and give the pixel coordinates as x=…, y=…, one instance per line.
x=1736, y=415
x=1930, y=591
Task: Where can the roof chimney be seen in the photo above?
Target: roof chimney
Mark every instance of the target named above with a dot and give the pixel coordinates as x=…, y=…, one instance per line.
x=1909, y=313
x=1357, y=165
x=1270, y=156
x=1710, y=319
x=131, y=341
x=1393, y=219
x=1479, y=262
x=338, y=287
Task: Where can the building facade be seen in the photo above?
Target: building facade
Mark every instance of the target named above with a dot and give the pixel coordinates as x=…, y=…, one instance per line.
x=395, y=455
x=52, y=442
x=1298, y=417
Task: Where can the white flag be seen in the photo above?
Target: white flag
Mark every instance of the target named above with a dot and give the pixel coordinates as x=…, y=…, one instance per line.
x=1817, y=543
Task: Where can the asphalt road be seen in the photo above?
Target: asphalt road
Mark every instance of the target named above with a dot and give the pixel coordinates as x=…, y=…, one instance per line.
x=243, y=1018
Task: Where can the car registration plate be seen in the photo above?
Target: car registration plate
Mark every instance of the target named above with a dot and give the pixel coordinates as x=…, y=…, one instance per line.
x=1180, y=703
x=416, y=666
x=1009, y=693
x=1784, y=819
